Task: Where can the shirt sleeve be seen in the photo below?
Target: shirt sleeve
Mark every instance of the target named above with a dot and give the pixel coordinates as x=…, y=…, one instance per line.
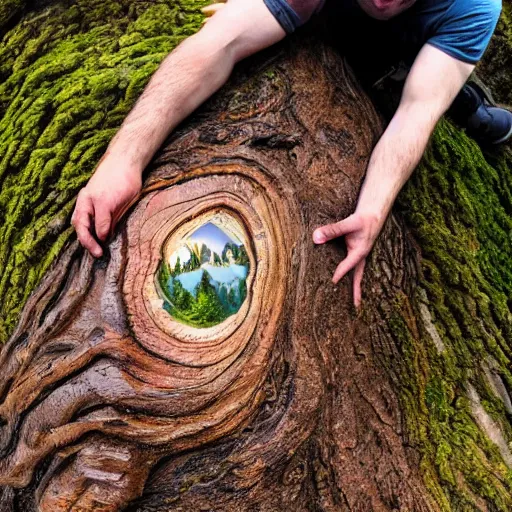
x=291, y=14
x=466, y=29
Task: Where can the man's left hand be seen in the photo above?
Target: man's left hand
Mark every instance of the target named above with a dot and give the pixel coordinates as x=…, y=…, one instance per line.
x=360, y=231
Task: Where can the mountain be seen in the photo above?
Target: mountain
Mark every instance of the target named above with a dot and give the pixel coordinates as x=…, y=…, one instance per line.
x=219, y=276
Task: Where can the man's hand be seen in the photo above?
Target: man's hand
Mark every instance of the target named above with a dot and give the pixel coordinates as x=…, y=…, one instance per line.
x=434, y=81
x=112, y=188
x=360, y=233
x=197, y=68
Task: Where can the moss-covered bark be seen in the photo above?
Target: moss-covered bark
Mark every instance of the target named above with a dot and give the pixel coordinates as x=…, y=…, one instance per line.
x=497, y=64
x=69, y=73
x=458, y=206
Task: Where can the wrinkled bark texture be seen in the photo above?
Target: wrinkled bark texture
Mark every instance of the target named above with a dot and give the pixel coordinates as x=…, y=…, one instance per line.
x=295, y=403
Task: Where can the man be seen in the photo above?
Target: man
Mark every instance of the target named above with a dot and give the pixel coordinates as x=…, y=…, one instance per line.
x=451, y=36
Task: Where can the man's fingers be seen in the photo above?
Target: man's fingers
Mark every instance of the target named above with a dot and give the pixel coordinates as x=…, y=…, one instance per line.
x=335, y=230
x=83, y=211
x=102, y=221
x=87, y=240
x=352, y=259
x=358, y=278
x=81, y=220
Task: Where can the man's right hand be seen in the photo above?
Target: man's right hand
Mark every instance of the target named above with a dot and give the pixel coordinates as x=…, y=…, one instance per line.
x=110, y=191
x=202, y=63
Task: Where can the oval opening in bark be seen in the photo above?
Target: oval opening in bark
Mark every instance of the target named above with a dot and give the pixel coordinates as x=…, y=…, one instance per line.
x=202, y=277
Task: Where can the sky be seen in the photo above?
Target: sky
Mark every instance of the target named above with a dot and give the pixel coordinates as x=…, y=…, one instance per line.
x=183, y=253
x=214, y=238
x=209, y=234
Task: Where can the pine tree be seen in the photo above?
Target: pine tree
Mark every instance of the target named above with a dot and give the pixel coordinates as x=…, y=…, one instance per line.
x=232, y=299
x=207, y=308
x=243, y=257
x=181, y=298
x=242, y=290
x=177, y=267
x=223, y=296
x=164, y=274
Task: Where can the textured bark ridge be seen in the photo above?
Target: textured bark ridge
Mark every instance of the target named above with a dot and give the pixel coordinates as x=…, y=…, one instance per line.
x=282, y=401
x=295, y=402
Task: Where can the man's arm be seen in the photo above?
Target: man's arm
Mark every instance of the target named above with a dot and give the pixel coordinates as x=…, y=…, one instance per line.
x=433, y=82
x=197, y=68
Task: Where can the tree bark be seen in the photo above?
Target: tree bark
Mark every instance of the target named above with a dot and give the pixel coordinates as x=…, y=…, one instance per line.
x=296, y=402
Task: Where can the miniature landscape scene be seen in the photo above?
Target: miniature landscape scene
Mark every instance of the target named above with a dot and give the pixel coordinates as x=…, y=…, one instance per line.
x=203, y=282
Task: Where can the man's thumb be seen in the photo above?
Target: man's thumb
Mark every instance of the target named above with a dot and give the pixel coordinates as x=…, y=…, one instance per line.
x=330, y=231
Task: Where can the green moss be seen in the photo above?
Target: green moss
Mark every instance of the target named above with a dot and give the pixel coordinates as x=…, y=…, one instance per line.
x=458, y=207
x=498, y=60
x=9, y=9
x=69, y=74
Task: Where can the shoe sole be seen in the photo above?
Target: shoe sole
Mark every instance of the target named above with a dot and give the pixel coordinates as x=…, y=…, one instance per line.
x=505, y=138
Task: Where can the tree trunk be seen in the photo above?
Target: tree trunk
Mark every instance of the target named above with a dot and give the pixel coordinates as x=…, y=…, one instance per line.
x=113, y=396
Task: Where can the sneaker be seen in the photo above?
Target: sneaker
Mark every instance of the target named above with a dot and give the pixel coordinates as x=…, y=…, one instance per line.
x=484, y=121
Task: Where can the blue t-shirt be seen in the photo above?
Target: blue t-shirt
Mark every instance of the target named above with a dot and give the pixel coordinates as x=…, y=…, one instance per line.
x=460, y=28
